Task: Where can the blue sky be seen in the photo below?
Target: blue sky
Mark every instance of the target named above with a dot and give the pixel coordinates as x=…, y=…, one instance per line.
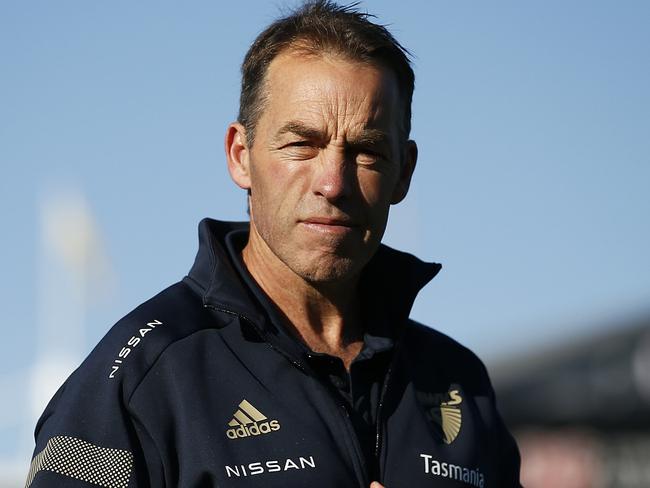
x=532, y=118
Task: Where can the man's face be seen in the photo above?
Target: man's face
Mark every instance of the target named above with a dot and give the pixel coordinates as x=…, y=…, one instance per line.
x=326, y=164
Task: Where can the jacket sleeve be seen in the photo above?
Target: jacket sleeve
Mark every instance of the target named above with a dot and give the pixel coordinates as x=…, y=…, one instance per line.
x=509, y=458
x=88, y=437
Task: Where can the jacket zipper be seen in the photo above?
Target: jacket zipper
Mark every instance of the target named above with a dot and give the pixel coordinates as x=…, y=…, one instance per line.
x=382, y=396
x=342, y=410
x=292, y=360
x=378, y=436
x=355, y=445
x=301, y=367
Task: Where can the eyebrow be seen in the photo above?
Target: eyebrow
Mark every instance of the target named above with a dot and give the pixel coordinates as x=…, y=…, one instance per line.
x=300, y=129
x=369, y=137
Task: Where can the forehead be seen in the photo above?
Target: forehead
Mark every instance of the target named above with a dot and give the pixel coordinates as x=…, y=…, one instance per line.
x=328, y=88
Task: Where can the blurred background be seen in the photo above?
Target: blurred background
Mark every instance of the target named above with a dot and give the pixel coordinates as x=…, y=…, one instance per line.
x=532, y=190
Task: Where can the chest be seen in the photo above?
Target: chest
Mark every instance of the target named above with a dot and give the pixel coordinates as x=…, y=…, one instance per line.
x=252, y=418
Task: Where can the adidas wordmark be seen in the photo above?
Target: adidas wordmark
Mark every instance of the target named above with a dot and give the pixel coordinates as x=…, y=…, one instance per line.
x=249, y=421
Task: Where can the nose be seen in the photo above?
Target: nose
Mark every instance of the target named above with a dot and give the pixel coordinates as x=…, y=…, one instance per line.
x=334, y=177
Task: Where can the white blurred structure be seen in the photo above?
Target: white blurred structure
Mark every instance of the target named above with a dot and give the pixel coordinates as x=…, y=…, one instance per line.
x=71, y=262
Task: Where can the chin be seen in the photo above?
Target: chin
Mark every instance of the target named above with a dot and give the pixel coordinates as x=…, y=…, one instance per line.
x=329, y=270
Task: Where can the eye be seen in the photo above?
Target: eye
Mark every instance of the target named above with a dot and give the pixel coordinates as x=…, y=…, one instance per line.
x=297, y=144
x=372, y=152
x=300, y=149
x=368, y=155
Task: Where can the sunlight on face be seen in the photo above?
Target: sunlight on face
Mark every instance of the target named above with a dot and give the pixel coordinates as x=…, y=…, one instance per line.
x=325, y=165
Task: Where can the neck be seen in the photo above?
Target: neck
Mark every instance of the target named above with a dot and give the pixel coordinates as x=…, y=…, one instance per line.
x=325, y=316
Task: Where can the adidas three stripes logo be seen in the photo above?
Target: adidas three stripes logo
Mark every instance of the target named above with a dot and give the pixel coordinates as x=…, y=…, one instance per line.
x=248, y=421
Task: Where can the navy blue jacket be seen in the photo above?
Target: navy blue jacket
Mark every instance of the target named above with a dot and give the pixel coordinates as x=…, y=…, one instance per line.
x=196, y=387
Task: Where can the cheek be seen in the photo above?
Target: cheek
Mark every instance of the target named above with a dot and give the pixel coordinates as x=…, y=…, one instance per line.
x=275, y=189
x=376, y=188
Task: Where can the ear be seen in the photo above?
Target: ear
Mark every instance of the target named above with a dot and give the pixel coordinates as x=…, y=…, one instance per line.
x=238, y=155
x=409, y=159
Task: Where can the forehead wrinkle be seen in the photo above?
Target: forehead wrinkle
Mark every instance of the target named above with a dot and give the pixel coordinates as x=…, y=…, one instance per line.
x=354, y=120
x=325, y=109
x=336, y=106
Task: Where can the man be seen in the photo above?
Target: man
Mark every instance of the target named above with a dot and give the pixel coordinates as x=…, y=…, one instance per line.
x=286, y=356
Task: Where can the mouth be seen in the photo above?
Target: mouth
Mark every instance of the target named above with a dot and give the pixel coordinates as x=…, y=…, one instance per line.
x=329, y=225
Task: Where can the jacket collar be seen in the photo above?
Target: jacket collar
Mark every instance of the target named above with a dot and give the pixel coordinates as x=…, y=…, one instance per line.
x=389, y=284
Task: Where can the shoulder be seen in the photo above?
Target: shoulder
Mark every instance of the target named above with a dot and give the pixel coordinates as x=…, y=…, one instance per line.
x=91, y=411
x=424, y=338
x=430, y=350
x=133, y=345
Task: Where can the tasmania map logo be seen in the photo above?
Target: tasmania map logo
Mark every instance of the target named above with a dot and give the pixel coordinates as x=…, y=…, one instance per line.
x=248, y=421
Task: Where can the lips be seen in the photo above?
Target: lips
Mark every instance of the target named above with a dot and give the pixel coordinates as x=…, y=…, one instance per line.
x=329, y=225
x=334, y=221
